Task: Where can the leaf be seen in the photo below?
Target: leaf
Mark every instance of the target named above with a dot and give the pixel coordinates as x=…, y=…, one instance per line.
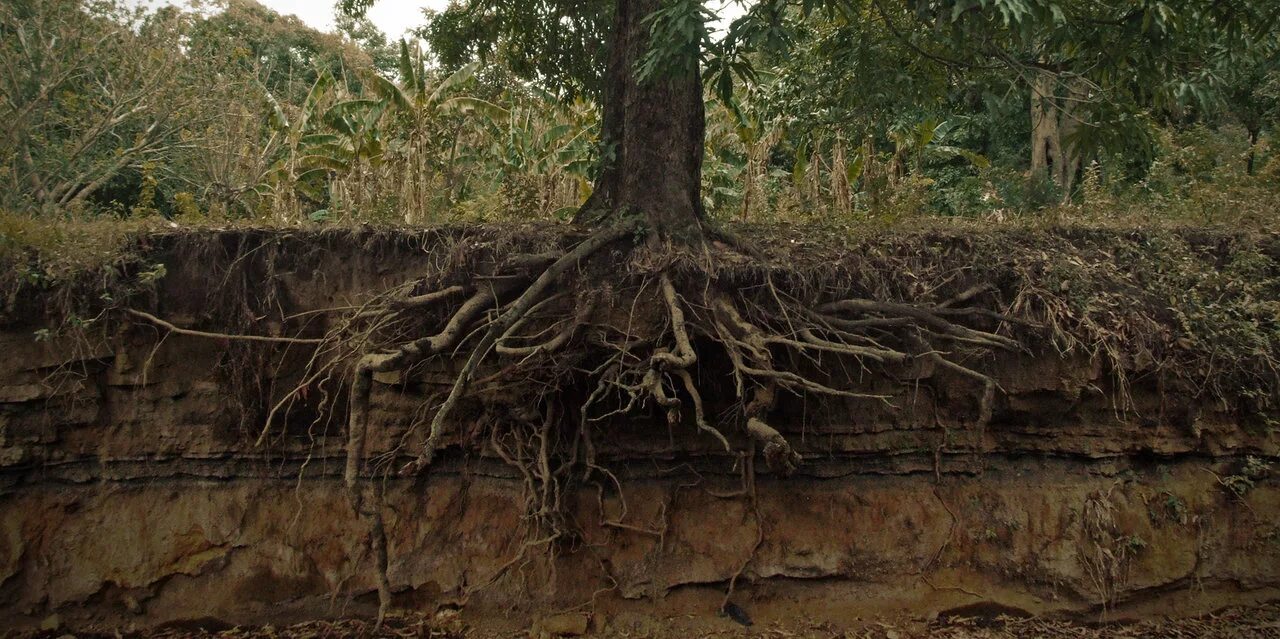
x=977, y=159
x=351, y=107
x=408, y=77
x=854, y=170
x=275, y=114
x=325, y=161
x=800, y=166
x=388, y=91
x=453, y=81
x=467, y=104
x=555, y=133
x=320, y=139
x=311, y=105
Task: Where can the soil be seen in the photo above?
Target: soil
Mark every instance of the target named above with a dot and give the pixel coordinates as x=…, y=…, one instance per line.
x=135, y=498
x=1254, y=622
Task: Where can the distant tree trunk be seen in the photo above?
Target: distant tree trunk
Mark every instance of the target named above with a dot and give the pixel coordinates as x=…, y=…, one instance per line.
x=1254, y=132
x=1044, y=125
x=652, y=135
x=1053, y=121
x=1068, y=123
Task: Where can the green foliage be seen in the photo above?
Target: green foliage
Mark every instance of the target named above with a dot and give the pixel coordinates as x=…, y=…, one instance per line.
x=1240, y=484
x=283, y=53
x=817, y=110
x=90, y=95
x=560, y=44
x=680, y=27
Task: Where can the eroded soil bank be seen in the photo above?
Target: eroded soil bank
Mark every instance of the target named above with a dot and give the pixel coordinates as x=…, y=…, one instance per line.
x=134, y=494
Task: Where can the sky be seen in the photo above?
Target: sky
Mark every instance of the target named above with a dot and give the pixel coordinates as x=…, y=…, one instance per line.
x=393, y=17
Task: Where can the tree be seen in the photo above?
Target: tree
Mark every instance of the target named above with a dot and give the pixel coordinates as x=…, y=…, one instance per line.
x=1252, y=95
x=1092, y=69
x=653, y=120
x=672, y=334
x=285, y=54
x=89, y=92
x=1093, y=72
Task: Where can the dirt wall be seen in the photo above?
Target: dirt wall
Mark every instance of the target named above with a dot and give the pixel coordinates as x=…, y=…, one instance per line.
x=134, y=494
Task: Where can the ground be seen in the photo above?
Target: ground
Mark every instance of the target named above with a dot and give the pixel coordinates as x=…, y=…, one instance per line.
x=1235, y=623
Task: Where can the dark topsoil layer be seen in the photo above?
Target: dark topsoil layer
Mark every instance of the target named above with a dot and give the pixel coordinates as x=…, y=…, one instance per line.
x=1204, y=302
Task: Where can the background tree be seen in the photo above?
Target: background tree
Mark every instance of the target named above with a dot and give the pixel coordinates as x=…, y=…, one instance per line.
x=89, y=93
x=1092, y=69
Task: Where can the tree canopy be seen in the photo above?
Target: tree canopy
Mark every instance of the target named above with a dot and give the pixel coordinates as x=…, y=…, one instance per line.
x=1096, y=71
x=956, y=106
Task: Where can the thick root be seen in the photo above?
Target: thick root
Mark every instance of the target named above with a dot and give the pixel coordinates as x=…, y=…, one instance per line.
x=778, y=454
x=500, y=326
x=546, y=341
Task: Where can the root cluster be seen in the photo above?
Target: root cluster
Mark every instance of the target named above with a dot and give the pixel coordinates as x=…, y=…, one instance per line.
x=548, y=351
x=545, y=333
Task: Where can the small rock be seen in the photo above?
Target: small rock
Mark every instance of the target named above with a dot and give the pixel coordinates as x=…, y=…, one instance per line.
x=736, y=613
x=52, y=622
x=131, y=604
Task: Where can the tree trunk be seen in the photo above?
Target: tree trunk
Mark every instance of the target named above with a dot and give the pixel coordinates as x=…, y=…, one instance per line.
x=1254, y=132
x=1045, y=152
x=652, y=135
x=1069, y=159
x=1053, y=122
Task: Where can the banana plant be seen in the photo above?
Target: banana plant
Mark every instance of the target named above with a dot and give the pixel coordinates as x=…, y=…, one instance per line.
x=541, y=140
x=423, y=108
x=328, y=137
x=338, y=140
x=415, y=97
x=930, y=137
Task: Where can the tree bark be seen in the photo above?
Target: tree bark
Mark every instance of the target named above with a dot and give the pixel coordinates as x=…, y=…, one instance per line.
x=652, y=135
x=1254, y=132
x=1053, y=123
x=1045, y=152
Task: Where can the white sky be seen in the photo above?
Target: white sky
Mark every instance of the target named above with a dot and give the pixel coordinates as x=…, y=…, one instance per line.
x=394, y=17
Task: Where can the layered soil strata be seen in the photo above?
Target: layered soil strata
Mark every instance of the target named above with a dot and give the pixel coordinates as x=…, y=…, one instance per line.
x=134, y=493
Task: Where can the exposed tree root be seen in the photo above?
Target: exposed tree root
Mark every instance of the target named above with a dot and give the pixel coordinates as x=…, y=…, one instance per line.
x=548, y=350
x=222, y=336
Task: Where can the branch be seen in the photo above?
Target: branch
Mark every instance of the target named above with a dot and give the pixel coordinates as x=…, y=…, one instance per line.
x=243, y=338
x=944, y=60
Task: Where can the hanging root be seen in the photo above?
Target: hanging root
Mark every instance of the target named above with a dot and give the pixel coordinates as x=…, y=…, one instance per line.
x=778, y=453
x=500, y=326
x=548, y=351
